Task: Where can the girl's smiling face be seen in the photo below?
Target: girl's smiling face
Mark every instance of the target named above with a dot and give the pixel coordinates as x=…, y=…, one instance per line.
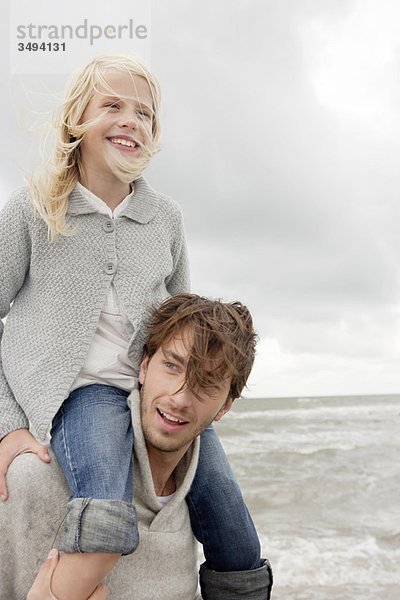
x=122, y=114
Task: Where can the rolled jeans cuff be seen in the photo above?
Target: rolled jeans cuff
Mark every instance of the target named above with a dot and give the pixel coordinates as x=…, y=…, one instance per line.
x=93, y=525
x=255, y=584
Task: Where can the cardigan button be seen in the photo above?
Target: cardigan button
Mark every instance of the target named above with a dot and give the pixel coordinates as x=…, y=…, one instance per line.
x=109, y=225
x=111, y=267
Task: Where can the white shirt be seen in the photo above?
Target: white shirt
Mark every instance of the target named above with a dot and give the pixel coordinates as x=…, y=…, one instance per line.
x=107, y=359
x=164, y=500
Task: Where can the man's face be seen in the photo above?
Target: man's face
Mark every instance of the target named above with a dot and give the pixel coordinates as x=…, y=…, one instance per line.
x=171, y=419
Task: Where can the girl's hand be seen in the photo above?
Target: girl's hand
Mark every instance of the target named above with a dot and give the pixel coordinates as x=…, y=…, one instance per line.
x=15, y=443
x=41, y=589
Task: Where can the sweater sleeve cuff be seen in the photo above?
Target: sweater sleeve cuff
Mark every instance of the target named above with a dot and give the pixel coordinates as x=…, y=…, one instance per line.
x=236, y=585
x=20, y=423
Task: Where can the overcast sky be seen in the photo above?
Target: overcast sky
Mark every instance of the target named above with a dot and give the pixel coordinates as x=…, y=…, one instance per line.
x=282, y=144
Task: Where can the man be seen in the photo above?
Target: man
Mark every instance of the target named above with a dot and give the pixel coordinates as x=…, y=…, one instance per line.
x=195, y=355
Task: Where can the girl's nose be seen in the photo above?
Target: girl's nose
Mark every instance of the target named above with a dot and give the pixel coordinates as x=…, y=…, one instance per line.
x=129, y=121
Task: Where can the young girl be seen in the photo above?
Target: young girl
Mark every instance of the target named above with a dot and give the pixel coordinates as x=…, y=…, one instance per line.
x=84, y=252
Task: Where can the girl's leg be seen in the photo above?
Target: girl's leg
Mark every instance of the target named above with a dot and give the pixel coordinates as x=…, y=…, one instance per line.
x=92, y=438
x=219, y=517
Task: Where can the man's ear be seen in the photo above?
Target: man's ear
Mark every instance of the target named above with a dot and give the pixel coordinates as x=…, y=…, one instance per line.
x=224, y=409
x=143, y=368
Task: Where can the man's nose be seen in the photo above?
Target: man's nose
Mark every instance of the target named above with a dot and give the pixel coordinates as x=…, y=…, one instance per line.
x=182, y=397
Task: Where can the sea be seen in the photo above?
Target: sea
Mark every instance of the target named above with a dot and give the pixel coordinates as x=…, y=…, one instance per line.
x=321, y=477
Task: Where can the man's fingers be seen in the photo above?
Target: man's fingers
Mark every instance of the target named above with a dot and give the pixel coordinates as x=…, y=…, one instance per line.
x=53, y=555
x=41, y=589
x=51, y=562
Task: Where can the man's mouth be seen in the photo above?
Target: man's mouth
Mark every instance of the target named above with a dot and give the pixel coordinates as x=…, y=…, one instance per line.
x=170, y=418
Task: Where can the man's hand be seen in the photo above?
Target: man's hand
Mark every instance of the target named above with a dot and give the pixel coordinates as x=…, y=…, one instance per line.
x=41, y=589
x=17, y=442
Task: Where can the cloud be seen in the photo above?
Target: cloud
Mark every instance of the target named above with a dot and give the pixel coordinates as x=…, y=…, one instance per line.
x=281, y=143
x=355, y=69
x=281, y=373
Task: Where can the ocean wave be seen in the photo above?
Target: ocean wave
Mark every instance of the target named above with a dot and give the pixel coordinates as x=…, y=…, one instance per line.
x=340, y=412
x=305, y=442
x=321, y=484
x=331, y=561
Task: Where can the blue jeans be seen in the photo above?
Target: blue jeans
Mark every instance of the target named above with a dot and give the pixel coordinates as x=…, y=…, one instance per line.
x=219, y=517
x=92, y=439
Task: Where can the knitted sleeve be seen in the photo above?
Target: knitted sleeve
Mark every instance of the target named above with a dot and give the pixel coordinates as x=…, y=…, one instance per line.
x=179, y=280
x=15, y=247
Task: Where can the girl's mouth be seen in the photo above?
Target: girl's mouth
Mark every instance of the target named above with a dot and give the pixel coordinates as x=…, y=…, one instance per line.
x=124, y=144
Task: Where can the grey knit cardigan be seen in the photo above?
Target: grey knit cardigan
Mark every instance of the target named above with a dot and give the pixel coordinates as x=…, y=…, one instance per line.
x=56, y=292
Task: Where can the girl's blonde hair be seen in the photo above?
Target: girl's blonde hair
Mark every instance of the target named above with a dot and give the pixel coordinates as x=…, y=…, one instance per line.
x=58, y=176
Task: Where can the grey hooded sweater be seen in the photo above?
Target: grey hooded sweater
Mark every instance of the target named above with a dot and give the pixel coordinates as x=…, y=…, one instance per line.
x=163, y=567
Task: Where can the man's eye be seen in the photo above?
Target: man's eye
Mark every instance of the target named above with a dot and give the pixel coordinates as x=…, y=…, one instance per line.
x=170, y=365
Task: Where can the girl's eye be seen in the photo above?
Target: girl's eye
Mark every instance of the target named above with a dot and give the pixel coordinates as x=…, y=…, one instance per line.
x=112, y=105
x=144, y=114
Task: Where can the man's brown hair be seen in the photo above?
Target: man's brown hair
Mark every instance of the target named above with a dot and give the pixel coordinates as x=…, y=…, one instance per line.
x=223, y=337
